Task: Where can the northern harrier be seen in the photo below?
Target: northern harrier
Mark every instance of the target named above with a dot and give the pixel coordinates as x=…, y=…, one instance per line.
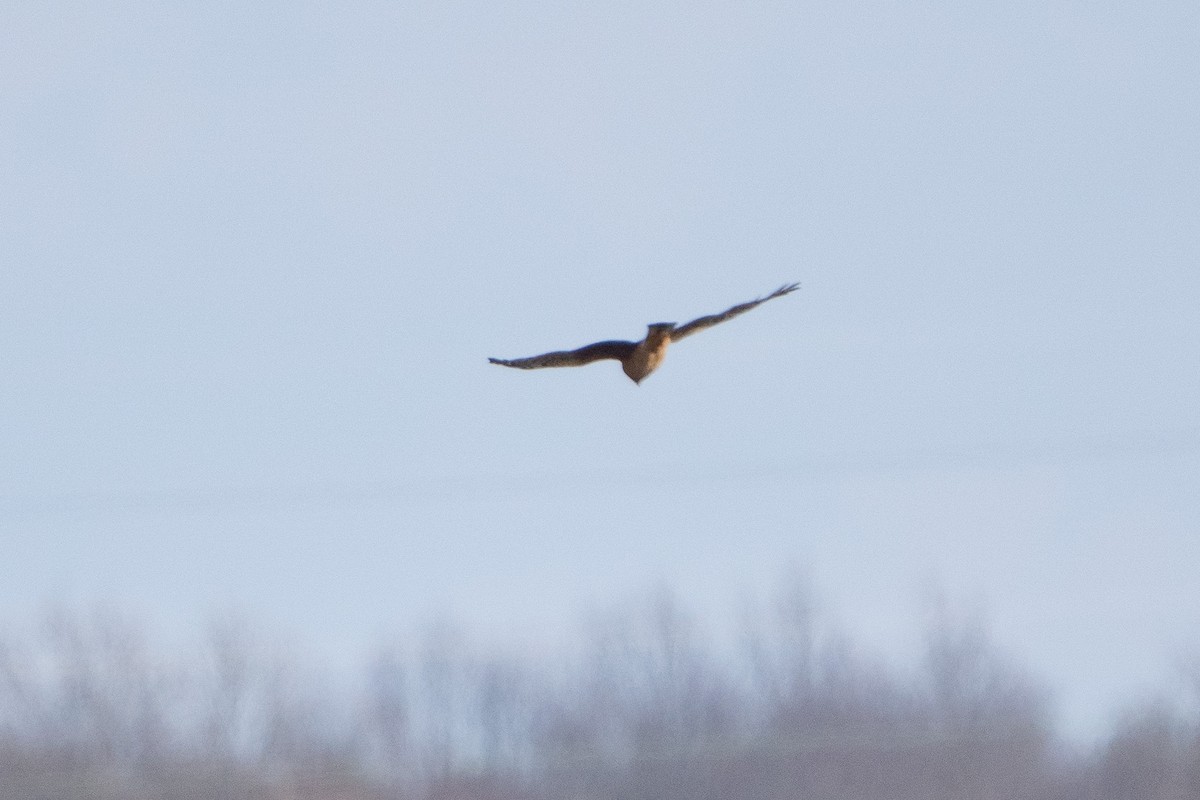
x=638, y=359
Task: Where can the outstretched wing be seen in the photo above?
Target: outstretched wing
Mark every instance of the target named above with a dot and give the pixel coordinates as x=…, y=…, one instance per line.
x=697, y=325
x=571, y=358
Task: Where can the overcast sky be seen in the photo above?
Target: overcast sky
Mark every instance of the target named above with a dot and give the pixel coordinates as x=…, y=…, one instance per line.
x=253, y=259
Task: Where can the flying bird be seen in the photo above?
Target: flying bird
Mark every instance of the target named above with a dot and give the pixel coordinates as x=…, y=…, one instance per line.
x=638, y=359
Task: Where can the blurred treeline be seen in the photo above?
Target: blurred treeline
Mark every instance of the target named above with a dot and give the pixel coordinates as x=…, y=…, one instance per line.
x=646, y=704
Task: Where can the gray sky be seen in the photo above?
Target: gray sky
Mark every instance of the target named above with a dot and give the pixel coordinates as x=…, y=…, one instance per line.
x=253, y=259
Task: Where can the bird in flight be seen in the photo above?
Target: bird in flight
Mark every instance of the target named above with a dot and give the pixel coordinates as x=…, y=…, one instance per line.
x=638, y=359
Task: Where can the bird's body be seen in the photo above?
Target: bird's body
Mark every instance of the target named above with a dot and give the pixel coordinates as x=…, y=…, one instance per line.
x=649, y=353
x=638, y=359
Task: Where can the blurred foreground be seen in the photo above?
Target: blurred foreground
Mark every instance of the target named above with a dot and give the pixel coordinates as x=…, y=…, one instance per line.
x=647, y=705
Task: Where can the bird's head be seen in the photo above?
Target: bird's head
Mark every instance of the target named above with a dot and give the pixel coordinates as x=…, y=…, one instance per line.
x=660, y=327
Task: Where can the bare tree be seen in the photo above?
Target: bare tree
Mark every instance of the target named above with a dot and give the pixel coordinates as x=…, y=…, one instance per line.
x=229, y=679
x=443, y=701
x=781, y=646
x=990, y=720
x=384, y=724
x=506, y=707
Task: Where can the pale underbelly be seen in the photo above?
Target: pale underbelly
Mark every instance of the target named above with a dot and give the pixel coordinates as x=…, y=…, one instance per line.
x=644, y=361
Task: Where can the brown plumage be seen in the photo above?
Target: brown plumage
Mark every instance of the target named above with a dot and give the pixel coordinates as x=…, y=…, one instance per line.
x=638, y=359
